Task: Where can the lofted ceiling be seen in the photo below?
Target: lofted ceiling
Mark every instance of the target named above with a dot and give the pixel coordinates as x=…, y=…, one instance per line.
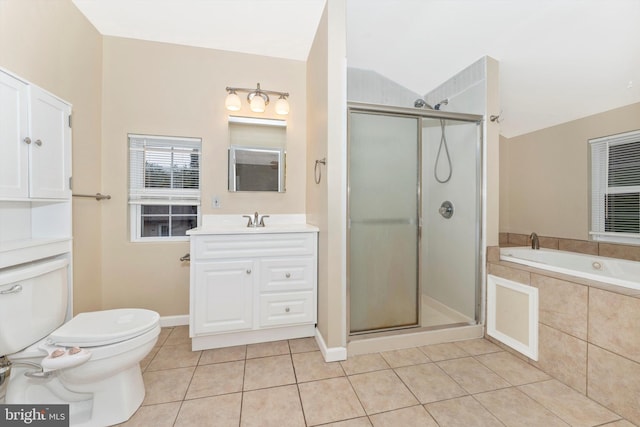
x=559, y=59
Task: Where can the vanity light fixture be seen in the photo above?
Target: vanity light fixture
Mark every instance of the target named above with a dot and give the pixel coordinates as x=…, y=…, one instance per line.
x=258, y=100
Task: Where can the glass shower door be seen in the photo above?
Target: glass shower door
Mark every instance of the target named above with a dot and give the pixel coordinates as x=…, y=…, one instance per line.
x=384, y=212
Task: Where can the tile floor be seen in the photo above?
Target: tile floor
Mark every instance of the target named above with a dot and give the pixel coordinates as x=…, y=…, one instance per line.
x=287, y=383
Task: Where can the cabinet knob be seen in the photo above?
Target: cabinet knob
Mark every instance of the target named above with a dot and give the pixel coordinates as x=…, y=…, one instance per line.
x=248, y=271
x=38, y=143
x=27, y=140
x=288, y=275
x=287, y=309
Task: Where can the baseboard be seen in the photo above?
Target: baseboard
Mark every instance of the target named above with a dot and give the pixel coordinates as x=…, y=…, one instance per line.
x=333, y=354
x=169, y=321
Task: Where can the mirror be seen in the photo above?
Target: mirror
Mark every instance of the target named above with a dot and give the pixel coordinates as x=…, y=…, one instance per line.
x=257, y=156
x=256, y=169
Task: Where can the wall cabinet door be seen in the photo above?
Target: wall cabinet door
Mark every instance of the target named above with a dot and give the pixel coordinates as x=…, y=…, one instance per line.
x=224, y=296
x=14, y=128
x=50, y=157
x=35, y=142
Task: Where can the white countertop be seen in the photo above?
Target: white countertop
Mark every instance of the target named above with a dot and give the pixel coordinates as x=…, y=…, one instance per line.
x=236, y=224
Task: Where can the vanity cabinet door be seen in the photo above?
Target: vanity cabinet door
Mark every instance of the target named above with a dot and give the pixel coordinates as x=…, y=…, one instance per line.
x=224, y=295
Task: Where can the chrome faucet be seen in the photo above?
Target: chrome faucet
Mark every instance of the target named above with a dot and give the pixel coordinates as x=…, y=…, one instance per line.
x=250, y=222
x=255, y=220
x=535, y=243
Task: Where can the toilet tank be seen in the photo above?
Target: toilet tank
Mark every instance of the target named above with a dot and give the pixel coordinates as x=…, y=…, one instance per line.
x=33, y=302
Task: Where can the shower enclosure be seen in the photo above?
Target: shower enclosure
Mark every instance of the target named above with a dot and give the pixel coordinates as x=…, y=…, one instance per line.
x=414, y=239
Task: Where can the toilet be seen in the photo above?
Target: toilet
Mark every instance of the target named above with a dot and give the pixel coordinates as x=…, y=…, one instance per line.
x=91, y=362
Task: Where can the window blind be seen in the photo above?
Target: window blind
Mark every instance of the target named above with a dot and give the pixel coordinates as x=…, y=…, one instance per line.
x=615, y=186
x=164, y=170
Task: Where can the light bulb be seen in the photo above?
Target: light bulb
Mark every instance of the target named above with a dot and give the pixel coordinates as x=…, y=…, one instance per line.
x=282, y=106
x=232, y=102
x=257, y=104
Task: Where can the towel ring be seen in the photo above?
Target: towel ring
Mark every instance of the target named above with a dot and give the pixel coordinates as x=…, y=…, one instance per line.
x=317, y=172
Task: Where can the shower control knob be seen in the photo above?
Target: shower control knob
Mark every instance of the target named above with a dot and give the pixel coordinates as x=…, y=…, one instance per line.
x=446, y=209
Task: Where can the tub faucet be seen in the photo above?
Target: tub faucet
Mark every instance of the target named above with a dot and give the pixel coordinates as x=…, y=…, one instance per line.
x=535, y=243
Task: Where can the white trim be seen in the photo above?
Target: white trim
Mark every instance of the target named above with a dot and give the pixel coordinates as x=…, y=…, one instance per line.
x=333, y=354
x=229, y=339
x=529, y=349
x=170, y=321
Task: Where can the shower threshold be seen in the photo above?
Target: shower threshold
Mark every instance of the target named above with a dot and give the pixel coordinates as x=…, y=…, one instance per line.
x=412, y=337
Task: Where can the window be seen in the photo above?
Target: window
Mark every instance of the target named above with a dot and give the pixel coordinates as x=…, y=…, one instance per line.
x=615, y=188
x=164, y=186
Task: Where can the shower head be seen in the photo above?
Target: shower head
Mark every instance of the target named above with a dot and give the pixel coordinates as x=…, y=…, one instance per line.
x=420, y=103
x=440, y=104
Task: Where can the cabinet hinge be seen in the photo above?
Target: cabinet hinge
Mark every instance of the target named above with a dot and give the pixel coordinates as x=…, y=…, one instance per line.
x=70, y=183
x=69, y=120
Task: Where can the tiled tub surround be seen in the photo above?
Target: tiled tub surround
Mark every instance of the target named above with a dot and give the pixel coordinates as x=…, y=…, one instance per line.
x=287, y=383
x=588, y=333
x=612, y=250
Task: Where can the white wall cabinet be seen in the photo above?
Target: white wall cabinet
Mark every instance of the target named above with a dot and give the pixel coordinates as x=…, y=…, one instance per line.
x=252, y=287
x=35, y=142
x=35, y=168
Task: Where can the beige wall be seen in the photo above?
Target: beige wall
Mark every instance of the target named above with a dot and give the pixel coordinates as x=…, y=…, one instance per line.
x=544, y=175
x=163, y=89
x=492, y=149
x=51, y=44
x=326, y=202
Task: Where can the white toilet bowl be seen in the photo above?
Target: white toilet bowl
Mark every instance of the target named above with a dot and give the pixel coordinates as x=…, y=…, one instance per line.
x=105, y=390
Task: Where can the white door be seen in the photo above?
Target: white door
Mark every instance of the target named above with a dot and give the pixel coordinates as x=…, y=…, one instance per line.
x=224, y=296
x=50, y=160
x=14, y=151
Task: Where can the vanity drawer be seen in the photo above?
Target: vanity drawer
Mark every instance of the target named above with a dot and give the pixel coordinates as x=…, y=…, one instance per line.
x=287, y=308
x=287, y=274
x=225, y=246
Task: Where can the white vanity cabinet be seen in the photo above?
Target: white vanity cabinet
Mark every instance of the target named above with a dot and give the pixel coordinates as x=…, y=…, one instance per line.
x=35, y=153
x=252, y=286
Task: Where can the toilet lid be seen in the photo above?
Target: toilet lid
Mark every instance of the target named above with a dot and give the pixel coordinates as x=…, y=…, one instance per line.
x=104, y=327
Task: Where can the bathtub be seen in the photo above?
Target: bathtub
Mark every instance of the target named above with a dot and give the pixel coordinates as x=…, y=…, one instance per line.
x=608, y=270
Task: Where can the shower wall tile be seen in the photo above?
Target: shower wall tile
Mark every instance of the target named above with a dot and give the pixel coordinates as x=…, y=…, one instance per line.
x=613, y=382
x=562, y=305
x=613, y=323
x=514, y=274
x=580, y=246
x=619, y=251
x=563, y=356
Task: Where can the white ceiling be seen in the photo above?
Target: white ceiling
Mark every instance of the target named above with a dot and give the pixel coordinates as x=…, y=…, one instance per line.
x=559, y=59
x=278, y=28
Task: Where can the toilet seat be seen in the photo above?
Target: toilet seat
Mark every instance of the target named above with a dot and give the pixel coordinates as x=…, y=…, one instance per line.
x=100, y=328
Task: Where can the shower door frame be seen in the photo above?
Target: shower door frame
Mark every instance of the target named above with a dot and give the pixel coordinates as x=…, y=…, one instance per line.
x=420, y=115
